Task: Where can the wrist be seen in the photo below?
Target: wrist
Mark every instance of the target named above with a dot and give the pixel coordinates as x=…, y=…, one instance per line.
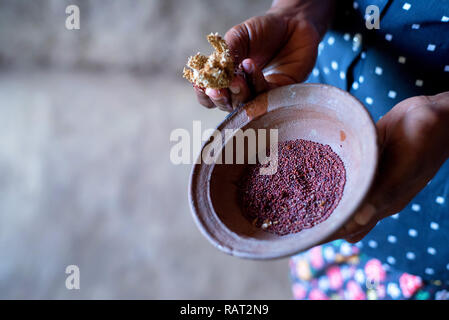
x=318, y=13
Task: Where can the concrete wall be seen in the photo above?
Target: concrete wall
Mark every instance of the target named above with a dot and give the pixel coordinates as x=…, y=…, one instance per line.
x=85, y=174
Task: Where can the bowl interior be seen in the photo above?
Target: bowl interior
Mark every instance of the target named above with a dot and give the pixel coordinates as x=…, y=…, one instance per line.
x=312, y=112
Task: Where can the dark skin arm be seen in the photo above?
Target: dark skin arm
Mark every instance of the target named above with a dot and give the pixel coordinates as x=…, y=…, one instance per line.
x=414, y=143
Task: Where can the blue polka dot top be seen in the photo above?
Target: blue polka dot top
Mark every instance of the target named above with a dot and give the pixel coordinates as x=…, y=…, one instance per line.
x=407, y=56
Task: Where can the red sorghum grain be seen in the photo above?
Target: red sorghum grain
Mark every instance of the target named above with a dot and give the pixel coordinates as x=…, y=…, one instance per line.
x=303, y=192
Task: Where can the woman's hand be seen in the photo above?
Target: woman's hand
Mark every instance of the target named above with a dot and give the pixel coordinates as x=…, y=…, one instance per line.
x=276, y=49
x=414, y=143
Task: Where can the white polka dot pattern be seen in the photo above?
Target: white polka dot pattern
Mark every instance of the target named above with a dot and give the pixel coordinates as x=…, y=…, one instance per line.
x=429, y=271
x=392, y=239
x=334, y=65
x=431, y=47
x=410, y=255
x=439, y=200
x=392, y=94
x=406, y=6
x=434, y=226
x=391, y=260
x=372, y=80
x=369, y=100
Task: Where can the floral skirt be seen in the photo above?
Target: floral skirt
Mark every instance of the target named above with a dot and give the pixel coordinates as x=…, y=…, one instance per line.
x=340, y=271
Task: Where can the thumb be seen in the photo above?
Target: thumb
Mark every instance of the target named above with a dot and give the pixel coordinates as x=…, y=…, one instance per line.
x=373, y=201
x=237, y=39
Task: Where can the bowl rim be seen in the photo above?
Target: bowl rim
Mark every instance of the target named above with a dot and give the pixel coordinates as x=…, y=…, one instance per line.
x=197, y=167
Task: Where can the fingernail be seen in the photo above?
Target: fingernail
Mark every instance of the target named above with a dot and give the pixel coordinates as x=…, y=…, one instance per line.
x=223, y=103
x=248, y=66
x=213, y=93
x=364, y=216
x=235, y=89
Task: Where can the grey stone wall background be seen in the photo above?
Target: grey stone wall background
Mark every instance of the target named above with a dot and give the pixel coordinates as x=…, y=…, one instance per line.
x=85, y=175
x=131, y=35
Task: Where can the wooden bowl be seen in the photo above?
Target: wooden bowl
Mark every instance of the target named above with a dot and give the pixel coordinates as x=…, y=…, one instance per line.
x=314, y=112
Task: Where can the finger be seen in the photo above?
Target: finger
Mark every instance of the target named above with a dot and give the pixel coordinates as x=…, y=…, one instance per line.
x=358, y=222
x=352, y=238
x=361, y=234
x=239, y=90
x=339, y=234
x=363, y=217
x=361, y=220
x=343, y=232
x=441, y=98
x=203, y=98
x=356, y=238
x=335, y=236
x=256, y=78
x=220, y=97
x=237, y=39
